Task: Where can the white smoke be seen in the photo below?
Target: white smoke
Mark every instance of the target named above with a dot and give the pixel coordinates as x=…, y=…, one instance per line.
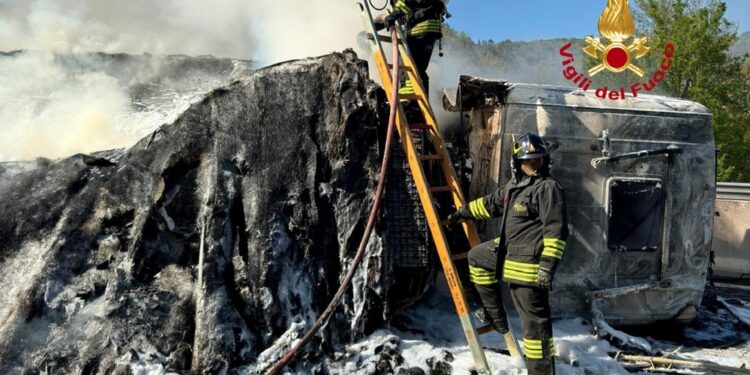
x=193, y=27
x=301, y=28
x=264, y=30
x=45, y=112
x=53, y=110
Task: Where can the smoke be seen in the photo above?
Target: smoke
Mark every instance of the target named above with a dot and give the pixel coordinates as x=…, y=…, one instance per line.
x=263, y=30
x=53, y=110
x=221, y=28
x=299, y=28
x=54, y=105
x=536, y=62
x=44, y=113
x=458, y=59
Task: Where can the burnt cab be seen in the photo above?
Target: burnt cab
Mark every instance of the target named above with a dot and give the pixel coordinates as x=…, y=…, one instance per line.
x=639, y=178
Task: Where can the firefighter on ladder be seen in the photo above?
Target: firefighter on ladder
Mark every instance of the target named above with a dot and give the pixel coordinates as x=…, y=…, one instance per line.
x=531, y=243
x=423, y=20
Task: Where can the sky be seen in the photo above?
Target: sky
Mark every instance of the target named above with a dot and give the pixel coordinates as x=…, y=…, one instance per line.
x=547, y=19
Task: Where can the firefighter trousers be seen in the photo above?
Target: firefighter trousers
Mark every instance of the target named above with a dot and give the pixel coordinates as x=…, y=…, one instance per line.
x=421, y=47
x=532, y=304
x=483, y=273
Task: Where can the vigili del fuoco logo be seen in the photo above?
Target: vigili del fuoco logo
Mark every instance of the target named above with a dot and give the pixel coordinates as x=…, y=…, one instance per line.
x=619, y=53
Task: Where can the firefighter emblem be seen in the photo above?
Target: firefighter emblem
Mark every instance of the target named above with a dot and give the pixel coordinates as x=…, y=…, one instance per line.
x=617, y=26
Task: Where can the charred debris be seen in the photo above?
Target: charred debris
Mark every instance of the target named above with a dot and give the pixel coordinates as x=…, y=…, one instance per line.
x=211, y=243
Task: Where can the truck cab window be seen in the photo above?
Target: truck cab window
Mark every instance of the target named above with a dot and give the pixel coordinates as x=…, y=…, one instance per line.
x=636, y=213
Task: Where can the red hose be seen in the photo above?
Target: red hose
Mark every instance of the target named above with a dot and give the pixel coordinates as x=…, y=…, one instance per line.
x=289, y=355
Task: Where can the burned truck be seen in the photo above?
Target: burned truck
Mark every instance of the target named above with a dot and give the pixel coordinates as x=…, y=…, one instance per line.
x=639, y=178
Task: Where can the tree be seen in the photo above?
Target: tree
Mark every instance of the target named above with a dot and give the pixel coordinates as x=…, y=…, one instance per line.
x=703, y=37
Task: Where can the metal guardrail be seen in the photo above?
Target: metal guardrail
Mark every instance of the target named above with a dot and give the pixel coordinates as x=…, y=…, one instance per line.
x=733, y=191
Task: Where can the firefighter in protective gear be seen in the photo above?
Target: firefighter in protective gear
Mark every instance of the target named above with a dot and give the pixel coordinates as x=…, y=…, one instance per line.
x=423, y=20
x=532, y=241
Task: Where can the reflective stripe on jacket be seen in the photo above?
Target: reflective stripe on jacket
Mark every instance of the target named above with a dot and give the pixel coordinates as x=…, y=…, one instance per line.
x=429, y=26
x=534, y=227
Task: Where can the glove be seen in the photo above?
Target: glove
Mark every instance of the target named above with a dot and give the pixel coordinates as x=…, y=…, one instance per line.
x=544, y=279
x=391, y=19
x=453, y=218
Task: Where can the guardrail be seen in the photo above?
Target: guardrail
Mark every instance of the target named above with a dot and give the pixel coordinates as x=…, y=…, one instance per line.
x=733, y=191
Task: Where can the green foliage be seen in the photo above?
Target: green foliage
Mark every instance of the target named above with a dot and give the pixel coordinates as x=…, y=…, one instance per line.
x=703, y=37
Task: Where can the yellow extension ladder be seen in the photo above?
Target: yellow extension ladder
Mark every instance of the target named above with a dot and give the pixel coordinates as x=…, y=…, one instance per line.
x=453, y=187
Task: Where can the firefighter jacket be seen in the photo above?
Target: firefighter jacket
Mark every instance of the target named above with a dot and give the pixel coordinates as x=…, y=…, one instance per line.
x=423, y=16
x=534, y=227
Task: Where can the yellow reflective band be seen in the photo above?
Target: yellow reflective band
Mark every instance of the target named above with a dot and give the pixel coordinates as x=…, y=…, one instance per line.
x=513, y=275
x=489, y=276
x=473, y=209
x=525, y=272
x=480, y=271
x=554, y=247
x=434, y=23
x=534, y=355
x=496, y=241
x=521, y=267
x=552, y=252
x=400, y=4
x=533, y=348
x=429, y=26
x=532, y=343
x=483, y=281
x=476, y=207
x=407, y=88
x=554, y=242
x=482, y=208
x=481, y=276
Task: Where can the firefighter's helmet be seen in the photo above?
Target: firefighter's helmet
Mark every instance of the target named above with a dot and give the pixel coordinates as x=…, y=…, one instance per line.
x=529, y=146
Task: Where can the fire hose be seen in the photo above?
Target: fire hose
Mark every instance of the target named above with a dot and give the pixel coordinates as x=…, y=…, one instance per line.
x=289, y=355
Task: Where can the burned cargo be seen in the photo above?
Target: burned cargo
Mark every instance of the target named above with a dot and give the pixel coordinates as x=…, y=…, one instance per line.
x=639, y=177
x=207, y=246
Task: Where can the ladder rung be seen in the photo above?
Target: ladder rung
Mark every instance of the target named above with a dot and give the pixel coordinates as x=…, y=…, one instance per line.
x=441, y=189
x=420, y=126
x=386, y=38
x=460, y=256
x=486, y=329
x=409, y=97
x=430, y=157
x=401, y=67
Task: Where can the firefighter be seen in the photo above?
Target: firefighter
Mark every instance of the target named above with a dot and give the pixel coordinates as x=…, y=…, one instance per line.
x=531, y=244
x=423, y=20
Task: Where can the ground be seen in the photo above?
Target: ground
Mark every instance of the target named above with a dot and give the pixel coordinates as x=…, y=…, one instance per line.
x=427, y=338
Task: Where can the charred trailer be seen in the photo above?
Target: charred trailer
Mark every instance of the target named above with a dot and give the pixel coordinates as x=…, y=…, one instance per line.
x=639, y=179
